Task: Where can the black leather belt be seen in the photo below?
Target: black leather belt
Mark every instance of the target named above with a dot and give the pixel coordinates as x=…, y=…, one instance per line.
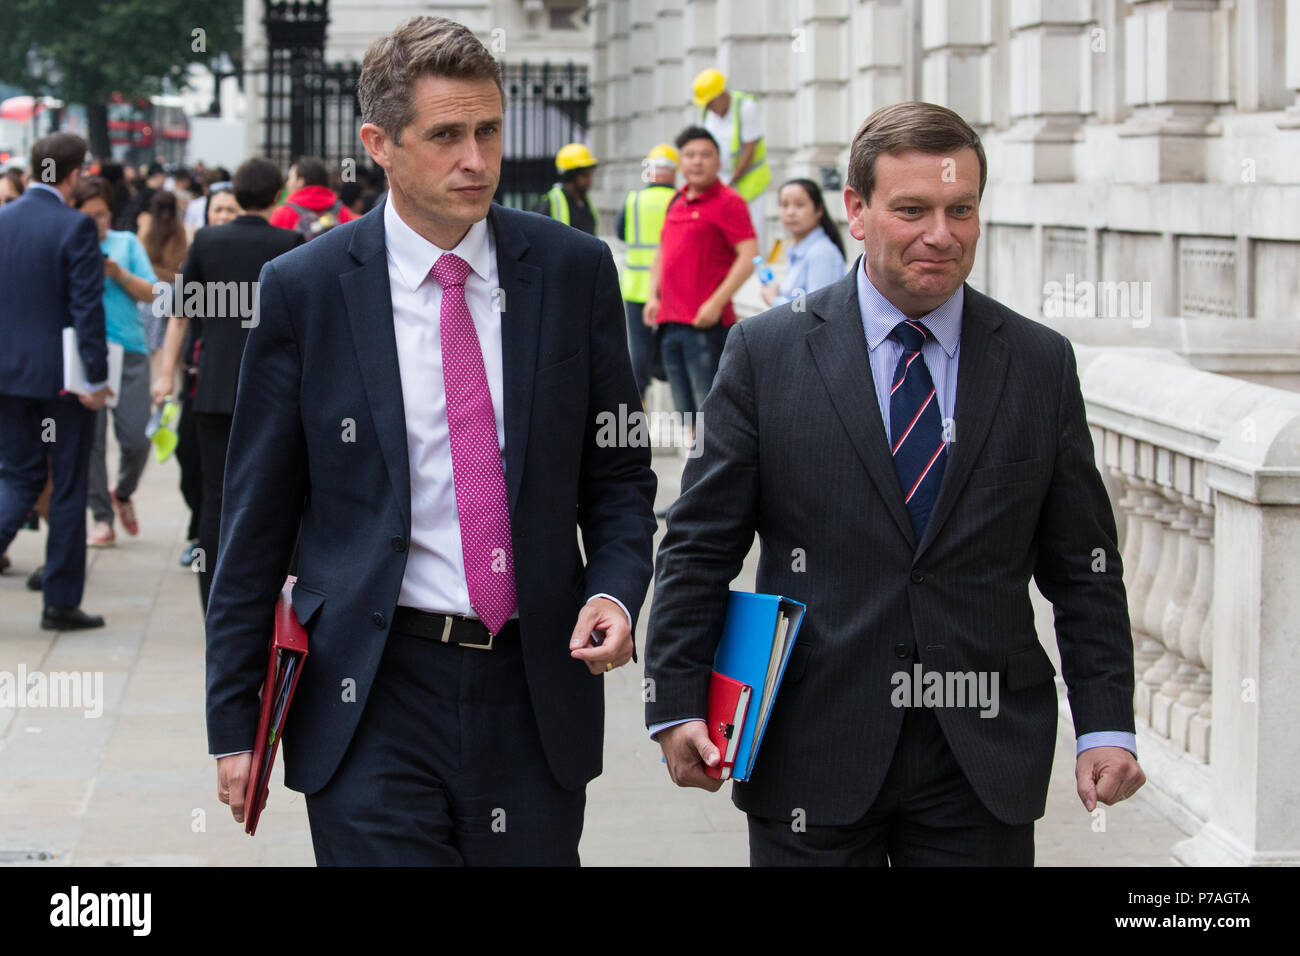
x=444, y=628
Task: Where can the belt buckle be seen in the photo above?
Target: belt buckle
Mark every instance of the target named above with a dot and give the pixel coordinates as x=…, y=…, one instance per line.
x=446, y=635
x=483, y=647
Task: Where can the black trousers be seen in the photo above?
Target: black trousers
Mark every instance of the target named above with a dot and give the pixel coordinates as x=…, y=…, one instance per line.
x=42, y=438
x=213, y=433
x=926, y=814
x=187, y=456
x=446, y=768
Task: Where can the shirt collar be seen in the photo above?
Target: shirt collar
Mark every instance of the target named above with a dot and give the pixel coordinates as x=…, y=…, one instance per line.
x=880, y=315
x=415, y=255
x=707, y=194
x=48, y=188
x=805, y=245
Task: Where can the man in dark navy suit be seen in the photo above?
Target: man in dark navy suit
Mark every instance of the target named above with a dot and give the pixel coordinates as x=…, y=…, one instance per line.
x=52, y=274
x=911, y=454
x=430, y=380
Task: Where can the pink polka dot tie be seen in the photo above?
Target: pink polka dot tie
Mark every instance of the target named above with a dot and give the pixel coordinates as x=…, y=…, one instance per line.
x=475, y=455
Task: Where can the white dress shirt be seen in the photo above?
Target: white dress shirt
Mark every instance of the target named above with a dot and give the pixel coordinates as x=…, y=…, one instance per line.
x=435, y=564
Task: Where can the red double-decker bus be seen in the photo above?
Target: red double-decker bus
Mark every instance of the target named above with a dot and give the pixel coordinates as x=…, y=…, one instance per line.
x=144, y=130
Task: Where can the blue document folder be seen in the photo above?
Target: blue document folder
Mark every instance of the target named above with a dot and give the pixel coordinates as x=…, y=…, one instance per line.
x=756, y=640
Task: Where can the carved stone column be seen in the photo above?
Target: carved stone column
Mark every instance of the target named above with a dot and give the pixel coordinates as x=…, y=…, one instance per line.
x=1174, y=83
x=957, y=38
x=1050, y=78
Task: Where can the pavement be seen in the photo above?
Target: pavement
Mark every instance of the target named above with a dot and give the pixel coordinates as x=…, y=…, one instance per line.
x=127, y=780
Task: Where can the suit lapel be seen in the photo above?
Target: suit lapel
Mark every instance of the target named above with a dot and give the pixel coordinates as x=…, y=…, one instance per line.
x=839, y=349
x=369, y=304
x=981, y=374
x=521, y=322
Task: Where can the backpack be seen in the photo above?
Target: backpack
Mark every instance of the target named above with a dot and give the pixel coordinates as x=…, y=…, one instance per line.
x=312, y=223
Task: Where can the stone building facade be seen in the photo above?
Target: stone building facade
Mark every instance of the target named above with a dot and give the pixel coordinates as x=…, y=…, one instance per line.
x=1130, y=141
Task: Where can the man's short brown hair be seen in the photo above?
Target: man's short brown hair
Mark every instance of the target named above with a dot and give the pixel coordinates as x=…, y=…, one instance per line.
x=67, y=150
x=901, y=127
x=422, y=46
x=256, y=183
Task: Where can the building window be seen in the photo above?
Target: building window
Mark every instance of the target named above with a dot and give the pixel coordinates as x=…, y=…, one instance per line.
x=564, y=18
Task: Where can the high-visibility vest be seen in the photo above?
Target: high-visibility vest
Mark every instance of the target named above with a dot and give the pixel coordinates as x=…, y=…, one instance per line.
x=560, y=207
x=759, y=175
x=643, y=217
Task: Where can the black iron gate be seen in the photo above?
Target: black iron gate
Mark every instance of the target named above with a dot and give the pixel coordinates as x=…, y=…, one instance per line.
x=546, y=107
x=311, y=105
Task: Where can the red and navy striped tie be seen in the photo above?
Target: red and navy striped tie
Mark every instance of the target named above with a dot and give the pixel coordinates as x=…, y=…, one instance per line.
x=916, y=427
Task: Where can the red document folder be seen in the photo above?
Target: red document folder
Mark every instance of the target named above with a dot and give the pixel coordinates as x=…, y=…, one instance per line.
x=287, y=654
x=728, y=702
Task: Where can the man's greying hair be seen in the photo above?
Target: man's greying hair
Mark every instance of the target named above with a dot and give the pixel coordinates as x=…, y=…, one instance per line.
x=908, y=126
x=422, y=46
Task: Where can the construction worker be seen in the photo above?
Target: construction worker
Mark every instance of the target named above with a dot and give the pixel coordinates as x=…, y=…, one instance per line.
x=639, y=225
x=567, y=199
x=734, y=120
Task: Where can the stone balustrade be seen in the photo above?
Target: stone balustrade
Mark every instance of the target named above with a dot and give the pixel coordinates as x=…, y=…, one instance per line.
x=1204, y=475
x=1204, y=472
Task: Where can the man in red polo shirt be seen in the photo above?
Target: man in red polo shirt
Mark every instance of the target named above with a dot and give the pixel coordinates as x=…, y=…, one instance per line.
x=706, y=252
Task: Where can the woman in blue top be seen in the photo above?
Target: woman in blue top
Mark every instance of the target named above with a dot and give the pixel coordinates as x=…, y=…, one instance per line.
x=817, y=257
x=128, y=279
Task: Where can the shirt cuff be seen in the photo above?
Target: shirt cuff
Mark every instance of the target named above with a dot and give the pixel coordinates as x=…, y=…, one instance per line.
x=232, y=753
x=664, y=725
x=96, y=386
x=621, y=606
x=1108, y=738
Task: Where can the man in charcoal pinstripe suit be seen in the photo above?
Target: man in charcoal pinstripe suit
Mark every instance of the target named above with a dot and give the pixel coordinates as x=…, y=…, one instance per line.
x=911, y=453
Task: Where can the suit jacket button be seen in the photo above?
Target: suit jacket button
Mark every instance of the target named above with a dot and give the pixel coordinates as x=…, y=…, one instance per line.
x=399, y=544
x=377, y=619
x=918, y=577
x=900, y=651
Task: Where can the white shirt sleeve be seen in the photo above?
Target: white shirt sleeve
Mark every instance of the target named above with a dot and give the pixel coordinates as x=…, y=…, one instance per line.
x=196, y=211
x=751, y=122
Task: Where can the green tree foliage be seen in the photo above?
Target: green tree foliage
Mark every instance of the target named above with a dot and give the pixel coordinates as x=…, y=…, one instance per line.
x=83, y=51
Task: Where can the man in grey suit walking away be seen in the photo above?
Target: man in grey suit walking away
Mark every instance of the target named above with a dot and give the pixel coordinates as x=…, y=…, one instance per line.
x=911, y=453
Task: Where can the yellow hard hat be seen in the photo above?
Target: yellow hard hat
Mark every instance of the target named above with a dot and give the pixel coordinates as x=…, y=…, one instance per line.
x=574, y=156
x=708, y=84
x=663, y=155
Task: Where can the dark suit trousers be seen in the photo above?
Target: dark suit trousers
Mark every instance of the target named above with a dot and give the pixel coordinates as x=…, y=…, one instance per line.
x=187, y=456
x=446, y=767
x=213, y=433
x=31, y=429
x=926, y=814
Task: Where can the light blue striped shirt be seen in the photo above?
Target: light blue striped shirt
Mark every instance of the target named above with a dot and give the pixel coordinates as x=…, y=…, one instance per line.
x=814, y=262
x=880, y=316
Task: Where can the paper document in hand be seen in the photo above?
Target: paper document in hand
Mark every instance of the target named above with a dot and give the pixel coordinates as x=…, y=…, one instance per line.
x=74, y=369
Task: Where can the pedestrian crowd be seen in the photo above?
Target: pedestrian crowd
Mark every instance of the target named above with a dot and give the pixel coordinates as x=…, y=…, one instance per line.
x=689, y=250
x=103, y=247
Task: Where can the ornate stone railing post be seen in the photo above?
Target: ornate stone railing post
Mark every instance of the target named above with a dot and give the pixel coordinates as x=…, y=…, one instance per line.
x=1208, y=469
